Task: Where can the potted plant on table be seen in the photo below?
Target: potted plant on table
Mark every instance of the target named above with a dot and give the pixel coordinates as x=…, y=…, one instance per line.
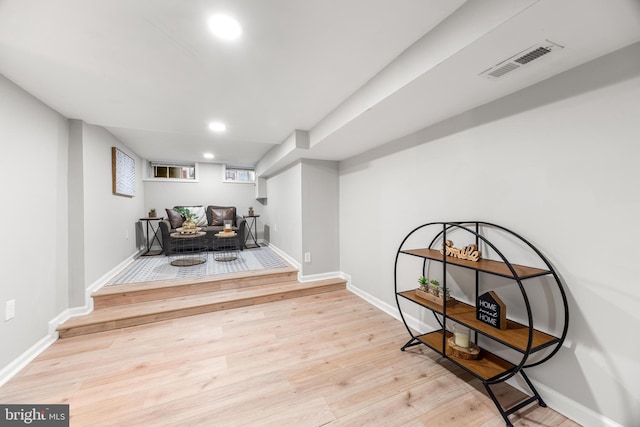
x=152, y=213
x=189, y=223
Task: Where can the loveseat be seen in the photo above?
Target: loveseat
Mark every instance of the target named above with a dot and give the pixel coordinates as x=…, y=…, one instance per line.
x=210, y=220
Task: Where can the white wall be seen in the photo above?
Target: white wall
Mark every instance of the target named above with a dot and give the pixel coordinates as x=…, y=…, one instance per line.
x=320, y=214
x=209, y=190
x=76, y=223
x=557, y=163
x=302, y=213
x=33, y=256
x=109, y=219
x=283, y=211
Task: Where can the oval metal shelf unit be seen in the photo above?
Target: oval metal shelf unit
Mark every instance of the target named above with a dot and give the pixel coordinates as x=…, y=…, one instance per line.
x=520, y=336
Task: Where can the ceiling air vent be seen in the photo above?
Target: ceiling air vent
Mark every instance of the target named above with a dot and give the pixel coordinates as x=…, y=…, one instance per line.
x=520, y=59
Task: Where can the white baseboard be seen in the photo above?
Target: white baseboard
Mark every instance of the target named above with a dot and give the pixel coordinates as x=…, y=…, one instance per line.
x=34, y=351
x=23, y=360
x=568, y=407
x=323, y=276
x=554, y=400
x=104, y=279
x=391, y=310
x=309, y=277
x=284, y=255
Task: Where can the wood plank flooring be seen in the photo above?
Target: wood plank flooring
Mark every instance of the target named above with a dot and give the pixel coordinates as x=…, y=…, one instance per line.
x=323, y=360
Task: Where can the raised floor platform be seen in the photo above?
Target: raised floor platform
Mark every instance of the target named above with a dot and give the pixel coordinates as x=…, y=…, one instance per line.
x=122, y=306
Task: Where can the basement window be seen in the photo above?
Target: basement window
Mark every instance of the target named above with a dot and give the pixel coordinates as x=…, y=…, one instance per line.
x=167, y=171
x=238, y=174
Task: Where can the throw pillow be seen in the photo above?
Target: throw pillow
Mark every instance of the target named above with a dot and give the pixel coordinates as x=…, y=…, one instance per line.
x=199, y=215
x=175, y=219
x=218, y=215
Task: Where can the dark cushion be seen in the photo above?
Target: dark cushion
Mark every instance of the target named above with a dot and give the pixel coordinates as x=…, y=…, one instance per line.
x=175, y=219
x=219, y=215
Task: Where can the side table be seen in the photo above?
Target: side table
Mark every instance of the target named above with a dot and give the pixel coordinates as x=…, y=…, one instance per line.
x=225, y=246
x=156, y=237
x=189, y=249
x=251, y=223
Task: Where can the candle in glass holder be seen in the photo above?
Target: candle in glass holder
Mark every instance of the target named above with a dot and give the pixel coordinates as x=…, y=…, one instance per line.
x=461, y=336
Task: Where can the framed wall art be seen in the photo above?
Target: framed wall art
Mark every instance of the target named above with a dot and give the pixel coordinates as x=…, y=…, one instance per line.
x=123, y=173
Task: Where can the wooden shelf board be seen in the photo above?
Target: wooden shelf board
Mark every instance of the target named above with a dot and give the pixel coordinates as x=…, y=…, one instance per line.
x=456, y=308
x=487, y=367
x=434, y=340
x=516, y=334
x=485, y=265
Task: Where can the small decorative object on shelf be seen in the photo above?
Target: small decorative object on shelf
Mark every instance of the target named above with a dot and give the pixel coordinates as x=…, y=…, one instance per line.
x=469, y=252
x=152, y=213
x=471, y=352
x=462, y=336
x=491, y=310
x=424, y=283
x=430, y=290
x=189, y=223
x=460, y=345
x=251, y=212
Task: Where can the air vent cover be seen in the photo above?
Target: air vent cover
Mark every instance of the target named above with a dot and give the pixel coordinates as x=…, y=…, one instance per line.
x=520, y=59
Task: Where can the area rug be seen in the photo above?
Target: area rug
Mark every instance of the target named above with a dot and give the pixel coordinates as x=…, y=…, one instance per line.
x=149, y=269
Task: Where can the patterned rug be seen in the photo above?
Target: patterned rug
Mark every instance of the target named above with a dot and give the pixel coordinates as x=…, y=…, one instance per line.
x=152, y=268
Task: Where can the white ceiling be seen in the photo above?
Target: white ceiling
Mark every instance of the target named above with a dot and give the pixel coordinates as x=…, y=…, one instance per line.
x=354, y=73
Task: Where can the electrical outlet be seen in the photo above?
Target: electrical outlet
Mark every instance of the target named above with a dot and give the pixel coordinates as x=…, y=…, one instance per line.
x=307, y=257
x=10, y=310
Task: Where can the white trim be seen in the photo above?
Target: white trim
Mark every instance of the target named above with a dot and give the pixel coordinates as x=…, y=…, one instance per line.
x=310, y=277
x=104, y=279
x=568, y=407
x=25, y=358
x=98, y=284
x=324, y=276
x=34, y=351
x=284, y=255
x=392, y=311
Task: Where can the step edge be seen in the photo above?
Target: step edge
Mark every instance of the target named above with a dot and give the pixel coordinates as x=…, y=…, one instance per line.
x=109, y=290
x=156, y=311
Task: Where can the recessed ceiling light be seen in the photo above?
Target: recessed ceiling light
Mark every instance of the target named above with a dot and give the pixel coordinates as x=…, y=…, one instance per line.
x=217, y=126
x=208, y=156
x=225, y=27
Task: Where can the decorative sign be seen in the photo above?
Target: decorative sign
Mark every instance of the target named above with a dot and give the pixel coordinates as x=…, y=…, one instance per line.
x=491, y=310
x=469, y=252
x=123, y=170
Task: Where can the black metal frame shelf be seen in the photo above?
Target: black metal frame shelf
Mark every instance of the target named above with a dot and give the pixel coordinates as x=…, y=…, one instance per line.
x=522, y=337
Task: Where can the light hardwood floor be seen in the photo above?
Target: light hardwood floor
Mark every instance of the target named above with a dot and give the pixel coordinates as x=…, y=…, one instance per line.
x=330, y=359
